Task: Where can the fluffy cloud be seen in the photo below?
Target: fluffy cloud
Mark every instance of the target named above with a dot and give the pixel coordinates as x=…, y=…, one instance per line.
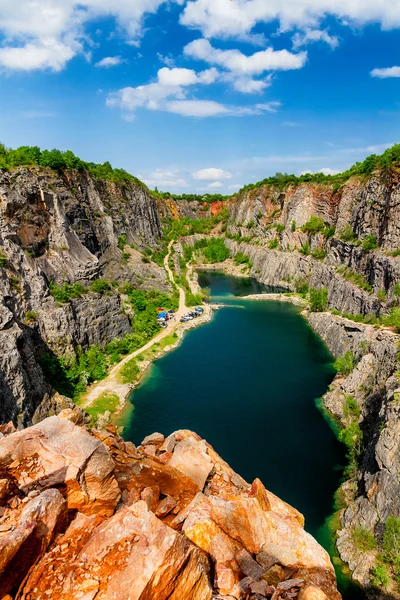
x=165, y=179
x=110, y=61
x=237, y=18
x=184, y=77
x=169, y=94
x=240, y=64
x=47, y=53
x=215, y=185
x=170, y=85
x=241, y=69
x=314, y=35
x=211, y=174
x=46, y=34
x=386, y=73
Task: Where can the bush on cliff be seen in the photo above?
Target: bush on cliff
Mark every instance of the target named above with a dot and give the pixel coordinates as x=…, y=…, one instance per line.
x=363, y=539
x=345, y=364
x=318, y=299
x=348, y=235
x=369, y=243
x=66, y=292
x=314, y=225
x=301, y=286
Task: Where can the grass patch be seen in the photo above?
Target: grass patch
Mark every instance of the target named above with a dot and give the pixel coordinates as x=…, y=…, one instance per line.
x=129, y=372
x=106, y=402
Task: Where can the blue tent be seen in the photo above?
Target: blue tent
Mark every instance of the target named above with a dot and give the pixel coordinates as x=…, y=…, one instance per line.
x=162, y=315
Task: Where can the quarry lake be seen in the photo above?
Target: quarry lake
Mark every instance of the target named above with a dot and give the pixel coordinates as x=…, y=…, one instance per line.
x=247, y=382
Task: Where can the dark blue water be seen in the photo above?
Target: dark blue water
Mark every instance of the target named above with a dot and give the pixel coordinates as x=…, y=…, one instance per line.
x=247, y=382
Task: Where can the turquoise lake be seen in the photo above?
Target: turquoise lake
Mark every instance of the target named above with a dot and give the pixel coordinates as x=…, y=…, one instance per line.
x=247, y=382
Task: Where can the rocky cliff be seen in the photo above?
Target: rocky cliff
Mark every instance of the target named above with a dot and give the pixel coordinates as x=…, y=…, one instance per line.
x=84, y=514
x=66, y=228
x=364, y=205
x=272, y=227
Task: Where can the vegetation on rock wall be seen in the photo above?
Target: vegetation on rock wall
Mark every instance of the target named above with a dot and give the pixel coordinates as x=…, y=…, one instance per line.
x=372, y=162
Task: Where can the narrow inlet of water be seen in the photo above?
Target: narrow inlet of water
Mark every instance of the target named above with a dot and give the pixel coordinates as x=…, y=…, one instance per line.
x=247, y=383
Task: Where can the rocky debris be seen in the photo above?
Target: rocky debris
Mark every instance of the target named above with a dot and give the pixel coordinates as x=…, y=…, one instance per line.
x=94, y=517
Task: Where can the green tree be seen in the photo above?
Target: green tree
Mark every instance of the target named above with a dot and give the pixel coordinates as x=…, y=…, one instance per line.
x=318, y=299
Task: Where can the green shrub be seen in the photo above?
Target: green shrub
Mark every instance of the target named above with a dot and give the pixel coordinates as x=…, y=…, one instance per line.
x=351, y=408
x=305, y=249
x=380, y=576
x=329, y=231
x=382, y=296
x=273, y=244
x=241, y=259
x=395, y=253
x=319, y=254
x=279, y=228
x=3, y=260
x=314, y=225
x=348, y=234
x=30, y=316
x=396, y=290
x=214, y=249
x=369, y=243
x=393, y=319
x=100, y=286
x=129, y=371
x=345, y=364
x=391, y=541
x=67, y=292
x=352, y=437
x=355, y=278
x=363, y=539
x=122, y=241
x=301, y=286
x=318, y=299
x=293, y=226
x=250, y=225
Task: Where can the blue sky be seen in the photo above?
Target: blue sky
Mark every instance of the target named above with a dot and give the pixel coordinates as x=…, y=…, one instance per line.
x=202, y=95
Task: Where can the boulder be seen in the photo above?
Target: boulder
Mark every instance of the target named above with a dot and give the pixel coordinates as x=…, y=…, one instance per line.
x=131, y=556
x=57, y=453
x=26, y=534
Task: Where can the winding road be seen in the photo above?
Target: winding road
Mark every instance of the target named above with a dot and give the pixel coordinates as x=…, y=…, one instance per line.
x=112, y=384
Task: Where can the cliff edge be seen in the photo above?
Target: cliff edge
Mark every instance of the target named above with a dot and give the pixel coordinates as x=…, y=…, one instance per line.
x=85, y=515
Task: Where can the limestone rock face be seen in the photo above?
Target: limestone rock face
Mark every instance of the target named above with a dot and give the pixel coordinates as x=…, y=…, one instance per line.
x=65, y=228
x=94, y=517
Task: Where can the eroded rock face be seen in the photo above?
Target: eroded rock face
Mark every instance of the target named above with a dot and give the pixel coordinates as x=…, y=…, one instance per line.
x=66, y=228
x=95, y=517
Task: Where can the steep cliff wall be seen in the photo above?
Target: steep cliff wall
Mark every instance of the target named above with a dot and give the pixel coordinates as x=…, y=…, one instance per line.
x=66, y=227
x=369, y=205
x=84, y=515
x=271, y=226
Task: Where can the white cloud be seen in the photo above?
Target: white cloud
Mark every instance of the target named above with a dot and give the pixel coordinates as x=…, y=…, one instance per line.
x=314, y=35
x=46, y=34
x=169, y=94
x=241, y=64
x=197, y=108
x=237, y=18
x=48, y=53
x=211, y=174
x=110, y=61
x=167, y=60
x=183, y=77
x=165, y=179
x=170, y=85
x=248, y=85
x=386, y=73
x=215, y=185
x=325, y=171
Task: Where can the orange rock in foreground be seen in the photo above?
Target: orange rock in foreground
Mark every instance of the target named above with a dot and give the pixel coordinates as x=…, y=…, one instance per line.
x=85, y=515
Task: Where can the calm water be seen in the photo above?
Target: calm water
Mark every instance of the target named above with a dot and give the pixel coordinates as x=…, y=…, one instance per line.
x=247, y=382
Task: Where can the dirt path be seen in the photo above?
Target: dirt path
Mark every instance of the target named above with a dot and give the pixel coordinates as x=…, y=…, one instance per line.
x=112, y=384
